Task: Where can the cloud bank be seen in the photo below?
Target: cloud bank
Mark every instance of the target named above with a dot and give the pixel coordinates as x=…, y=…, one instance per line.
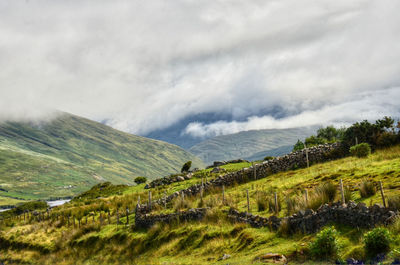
x=144, y=65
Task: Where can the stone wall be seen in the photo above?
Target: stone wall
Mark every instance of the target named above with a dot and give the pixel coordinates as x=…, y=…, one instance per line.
x=147, y=220
x=293, y=160
x=309, y=221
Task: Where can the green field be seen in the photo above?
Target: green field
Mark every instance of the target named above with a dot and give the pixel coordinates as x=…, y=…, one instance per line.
x=69, y=154
x=206, y=241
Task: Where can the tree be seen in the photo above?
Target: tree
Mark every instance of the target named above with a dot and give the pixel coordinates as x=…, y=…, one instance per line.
x=298, y=146
x=314, y=140
x=140, y=180
x=186, y=166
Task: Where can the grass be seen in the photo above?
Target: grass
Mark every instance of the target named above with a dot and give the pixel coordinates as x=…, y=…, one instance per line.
x=203, y=242
x=69, y=154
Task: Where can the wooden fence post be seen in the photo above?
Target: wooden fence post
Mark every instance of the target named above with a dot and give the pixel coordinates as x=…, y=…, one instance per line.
x=306, y=196
x=149, y=200
x=308, y=162
x=382, y=194
x=254, y=170
x=248, y=200
x=276, y=203
x=138, y=200
x=342, y=191
x=223, y=194
x=127, y=216
x=201, y=193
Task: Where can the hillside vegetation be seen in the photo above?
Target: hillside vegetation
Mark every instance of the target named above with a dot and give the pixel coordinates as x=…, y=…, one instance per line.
x=251, y=145
x=69, y=154
x=206, y=241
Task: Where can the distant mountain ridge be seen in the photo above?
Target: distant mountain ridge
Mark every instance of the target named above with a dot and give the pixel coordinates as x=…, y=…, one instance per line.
x=251, y=145
x=69, y=154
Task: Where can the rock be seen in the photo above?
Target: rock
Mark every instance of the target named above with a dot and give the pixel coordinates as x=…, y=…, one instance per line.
x=219, y=163
x=218, y=170
x=274, y=258
x=180, y=178
x=224, y=257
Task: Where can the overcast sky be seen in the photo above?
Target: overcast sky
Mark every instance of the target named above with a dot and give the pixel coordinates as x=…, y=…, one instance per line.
x=144, y=65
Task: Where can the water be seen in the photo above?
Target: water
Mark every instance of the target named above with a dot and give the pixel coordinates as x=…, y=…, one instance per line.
x=57, y=203
x=50, y=203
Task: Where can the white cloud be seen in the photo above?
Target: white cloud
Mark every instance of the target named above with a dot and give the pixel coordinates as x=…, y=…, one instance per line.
x=143, y=65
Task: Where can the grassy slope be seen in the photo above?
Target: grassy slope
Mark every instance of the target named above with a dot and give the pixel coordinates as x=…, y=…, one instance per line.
x=43, y=160
x=205, y=242
x=253, y=145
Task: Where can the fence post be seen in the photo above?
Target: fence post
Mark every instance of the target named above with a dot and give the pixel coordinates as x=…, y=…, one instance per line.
x=276, y=203
x=308, y=162
x=248, y=200
x=223, y=194
x=342, y=191
x=356, y=140
x=201, y=193
x=149, y=200
x=138, y=200
x=127, y=216
x=382, y=194
x=254, y=170
x=306, y=196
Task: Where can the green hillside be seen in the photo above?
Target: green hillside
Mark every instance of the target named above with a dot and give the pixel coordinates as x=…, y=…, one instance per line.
x=69, y=154
x=252, y=145
x=206, y=241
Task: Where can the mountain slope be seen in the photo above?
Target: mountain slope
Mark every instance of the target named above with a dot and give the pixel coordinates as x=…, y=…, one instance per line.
x=254, y=145
x=69, y=154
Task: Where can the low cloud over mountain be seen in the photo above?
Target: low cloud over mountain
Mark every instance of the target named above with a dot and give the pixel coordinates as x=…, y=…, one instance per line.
x=142, y=66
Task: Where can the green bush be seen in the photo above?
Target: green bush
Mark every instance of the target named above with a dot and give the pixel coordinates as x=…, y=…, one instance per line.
x=326, y=244
x=377, y=241
x=268, y=158
x=360, y=150
x=186, y=166
x=298, y=146
x=367, y=189
x=140, y=180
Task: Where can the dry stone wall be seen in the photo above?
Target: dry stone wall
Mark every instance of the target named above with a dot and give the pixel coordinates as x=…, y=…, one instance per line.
x=148, y=220
x=309, y=221
x=293, y=160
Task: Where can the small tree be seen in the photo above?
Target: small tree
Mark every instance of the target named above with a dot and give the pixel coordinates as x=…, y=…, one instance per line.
x=326, y=244
x=298, y=146
x=140, y=180
x=360, y=150
x=186, y=166
x=377, y=241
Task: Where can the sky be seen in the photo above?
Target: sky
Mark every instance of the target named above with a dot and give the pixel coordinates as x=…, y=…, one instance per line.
x=141, y=66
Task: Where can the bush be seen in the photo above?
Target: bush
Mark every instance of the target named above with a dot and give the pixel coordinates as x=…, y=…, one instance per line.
x=367, y=189
x=186, y=166
x=268, y=158
x=140, y=180
x=360, y=150
x=298, y=146
x=326, y=244
x=377, y=241
x=386, y=139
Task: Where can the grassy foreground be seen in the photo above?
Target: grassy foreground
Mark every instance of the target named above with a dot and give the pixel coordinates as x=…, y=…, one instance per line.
x=53, y=242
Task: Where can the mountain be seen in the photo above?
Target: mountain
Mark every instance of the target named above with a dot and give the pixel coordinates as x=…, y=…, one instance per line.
x=69, y=154
x=252, y=145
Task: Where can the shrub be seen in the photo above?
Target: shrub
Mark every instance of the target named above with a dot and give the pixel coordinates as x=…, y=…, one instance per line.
x=377, y=241
x=268, y=158
x=367, y=189
x=386, y=139
x=360, y=150
x=298, y=146
x=186, y=166
x=394, y=202
x=326, y=244
x=140, y=180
